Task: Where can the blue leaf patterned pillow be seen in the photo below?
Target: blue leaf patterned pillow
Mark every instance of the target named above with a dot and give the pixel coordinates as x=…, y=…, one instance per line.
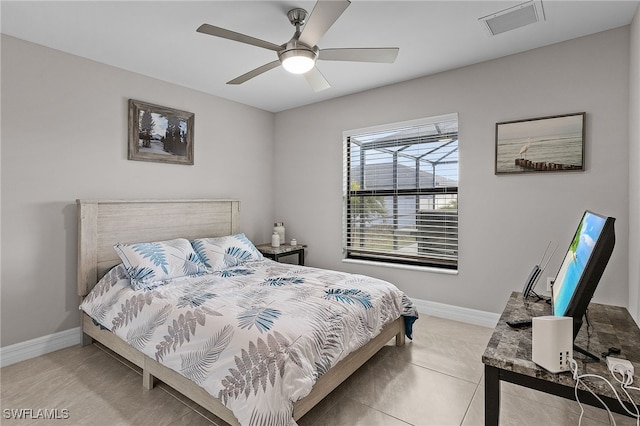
x=151, y=264
x=223, y=252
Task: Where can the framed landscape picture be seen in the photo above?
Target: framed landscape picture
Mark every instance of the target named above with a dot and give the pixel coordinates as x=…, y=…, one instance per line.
x=160, y=134
x=543, y=144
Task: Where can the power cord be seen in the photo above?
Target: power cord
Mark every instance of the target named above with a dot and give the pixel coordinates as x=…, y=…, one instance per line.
x=626, y=374
x=625, y=382
x=586, y=318
x=573, y=365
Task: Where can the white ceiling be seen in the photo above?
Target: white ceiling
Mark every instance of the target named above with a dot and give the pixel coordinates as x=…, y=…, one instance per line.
x=159, y=39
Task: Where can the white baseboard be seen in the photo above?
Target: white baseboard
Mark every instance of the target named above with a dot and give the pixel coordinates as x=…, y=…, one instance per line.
x=63, y=339
x=39, y=346
x=457, y=313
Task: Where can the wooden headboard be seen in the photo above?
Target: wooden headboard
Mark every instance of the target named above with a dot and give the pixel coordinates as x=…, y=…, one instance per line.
x=102, y=223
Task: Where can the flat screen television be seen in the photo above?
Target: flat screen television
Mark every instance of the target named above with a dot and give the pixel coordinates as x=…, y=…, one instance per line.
x=582, y=267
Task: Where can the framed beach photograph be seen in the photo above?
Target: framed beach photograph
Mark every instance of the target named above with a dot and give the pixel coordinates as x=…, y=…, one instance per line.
x=543, y=144
x=160, y=134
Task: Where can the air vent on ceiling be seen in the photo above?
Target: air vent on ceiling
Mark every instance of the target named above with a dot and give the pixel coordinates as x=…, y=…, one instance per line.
x=513, y=17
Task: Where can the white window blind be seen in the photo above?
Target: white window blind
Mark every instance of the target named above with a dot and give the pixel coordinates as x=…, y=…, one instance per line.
x=400, y=189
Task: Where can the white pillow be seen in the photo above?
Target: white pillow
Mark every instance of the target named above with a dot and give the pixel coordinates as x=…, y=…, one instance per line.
x=223, y=252
x=154, y=263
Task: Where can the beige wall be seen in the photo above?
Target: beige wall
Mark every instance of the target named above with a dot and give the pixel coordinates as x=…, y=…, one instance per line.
x=505, y=221
x=64, y=136
x=634, y=169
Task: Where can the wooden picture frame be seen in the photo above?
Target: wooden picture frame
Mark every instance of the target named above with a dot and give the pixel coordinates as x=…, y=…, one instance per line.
x=545, y=144
x=160, y=134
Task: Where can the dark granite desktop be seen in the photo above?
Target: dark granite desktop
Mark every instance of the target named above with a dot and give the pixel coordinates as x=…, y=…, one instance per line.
x=509, y=349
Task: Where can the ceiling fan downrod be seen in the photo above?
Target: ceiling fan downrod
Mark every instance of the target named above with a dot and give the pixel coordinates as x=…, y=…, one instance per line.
x=297, y=17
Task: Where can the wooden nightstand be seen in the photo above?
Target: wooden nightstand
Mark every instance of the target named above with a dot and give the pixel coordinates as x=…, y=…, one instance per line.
x=276, y=253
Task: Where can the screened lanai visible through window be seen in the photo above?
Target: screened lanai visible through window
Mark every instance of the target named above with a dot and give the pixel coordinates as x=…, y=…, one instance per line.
x=401, y=193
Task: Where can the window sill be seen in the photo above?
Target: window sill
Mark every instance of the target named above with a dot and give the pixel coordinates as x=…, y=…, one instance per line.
x=401, y=266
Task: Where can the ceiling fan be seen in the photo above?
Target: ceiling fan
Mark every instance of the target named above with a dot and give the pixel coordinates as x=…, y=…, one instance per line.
x=299, y=54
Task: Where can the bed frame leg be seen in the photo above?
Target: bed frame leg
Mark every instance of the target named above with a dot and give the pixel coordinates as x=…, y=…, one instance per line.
x=400, y=338
x=86, y=339
x=147, y=380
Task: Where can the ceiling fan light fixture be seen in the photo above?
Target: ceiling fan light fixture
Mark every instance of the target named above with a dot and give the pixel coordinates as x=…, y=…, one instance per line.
x=298, y=61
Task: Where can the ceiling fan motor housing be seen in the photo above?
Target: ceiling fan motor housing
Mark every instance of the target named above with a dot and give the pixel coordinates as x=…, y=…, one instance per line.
x=297, y=57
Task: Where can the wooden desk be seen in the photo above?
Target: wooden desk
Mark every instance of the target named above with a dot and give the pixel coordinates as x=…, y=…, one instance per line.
x=508, y=355
x=276, y=253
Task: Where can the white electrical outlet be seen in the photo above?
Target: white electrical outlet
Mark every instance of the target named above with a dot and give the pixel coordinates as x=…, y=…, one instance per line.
x=619, y=365
x=550, y=281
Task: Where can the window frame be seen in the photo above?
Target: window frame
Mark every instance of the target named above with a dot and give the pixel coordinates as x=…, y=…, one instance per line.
x=391, y=258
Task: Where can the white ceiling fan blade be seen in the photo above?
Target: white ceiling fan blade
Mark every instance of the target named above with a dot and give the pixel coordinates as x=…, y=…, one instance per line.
x=254, y=73
x=232, y=35
x=316, y=80
x=381, y=55
x=324, y=15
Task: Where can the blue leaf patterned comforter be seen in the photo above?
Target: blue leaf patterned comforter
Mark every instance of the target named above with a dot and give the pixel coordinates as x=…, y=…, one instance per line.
x=257, y=335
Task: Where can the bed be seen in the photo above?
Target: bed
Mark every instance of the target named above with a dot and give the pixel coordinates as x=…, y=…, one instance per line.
x=103, y=223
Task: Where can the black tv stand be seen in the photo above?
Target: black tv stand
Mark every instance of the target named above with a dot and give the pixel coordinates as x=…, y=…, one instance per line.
x=585, y=352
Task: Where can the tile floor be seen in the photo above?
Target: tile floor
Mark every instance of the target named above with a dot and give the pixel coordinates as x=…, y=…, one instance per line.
x=436, y=379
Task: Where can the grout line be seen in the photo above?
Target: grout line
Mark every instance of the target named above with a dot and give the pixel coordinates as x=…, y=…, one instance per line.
x=466, y=411
x=380, y=411
x=445, y=374
x=393, y=417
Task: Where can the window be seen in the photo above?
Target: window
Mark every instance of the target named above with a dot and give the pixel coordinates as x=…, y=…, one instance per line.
x=400, y=191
